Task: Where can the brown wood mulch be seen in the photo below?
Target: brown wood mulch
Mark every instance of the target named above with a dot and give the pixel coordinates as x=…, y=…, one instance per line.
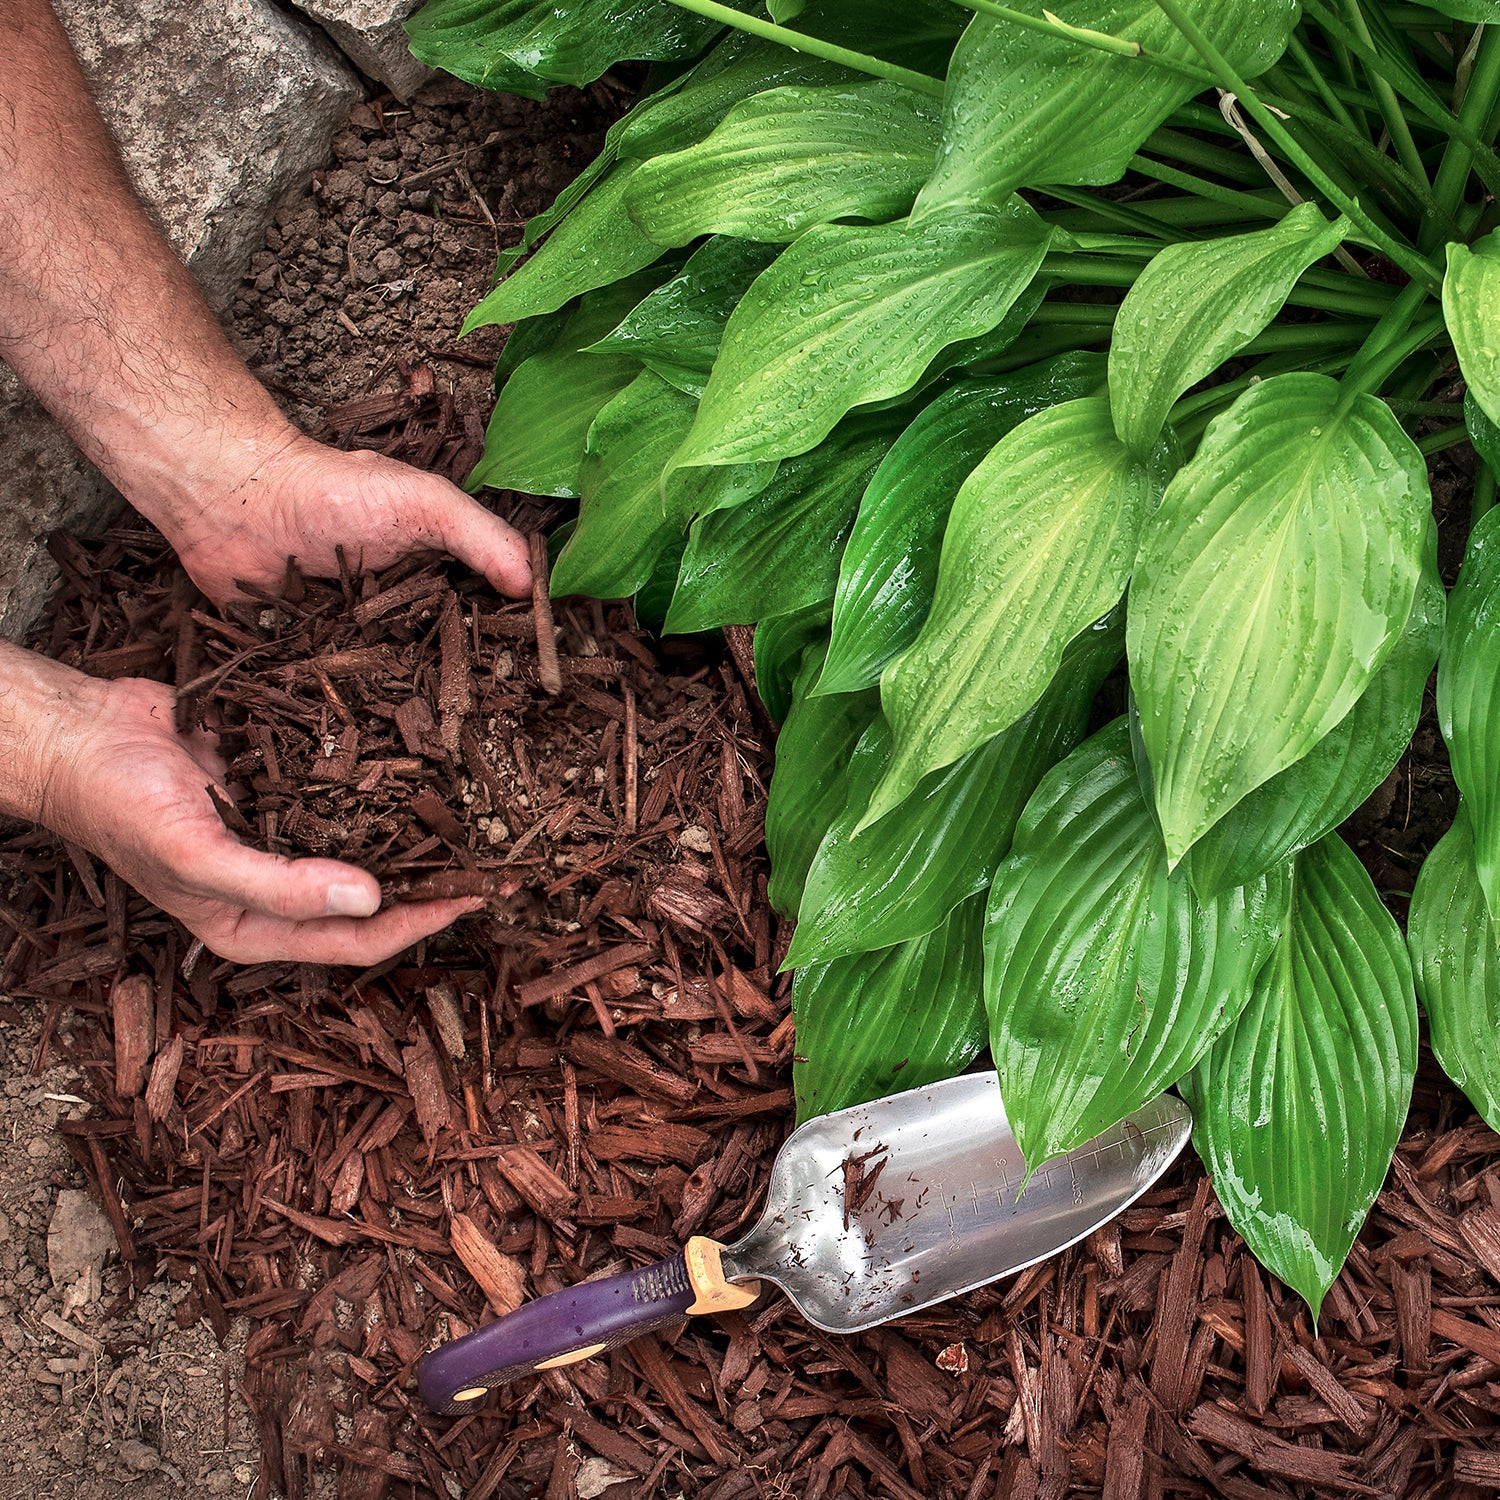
x=599, y=1065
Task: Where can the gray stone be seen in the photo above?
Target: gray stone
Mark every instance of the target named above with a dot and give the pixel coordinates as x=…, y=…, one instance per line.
x=79, y=1238
x=220, y=112
x=372, y=36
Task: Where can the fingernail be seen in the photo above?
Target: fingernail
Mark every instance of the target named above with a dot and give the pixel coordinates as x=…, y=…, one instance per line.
x=350, y=900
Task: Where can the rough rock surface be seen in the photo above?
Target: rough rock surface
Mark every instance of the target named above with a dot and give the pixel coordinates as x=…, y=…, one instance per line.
x=220, y=110
x=372, y=35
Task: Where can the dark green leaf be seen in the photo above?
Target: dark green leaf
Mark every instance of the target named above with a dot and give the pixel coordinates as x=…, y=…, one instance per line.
x=1314, y=795
x=812, y=778
x=677, y=330
x=890, y=564
x=1041, y=541
x=1455, y=950
x=1028, y=110
x=903, y=876
x=850, y=315
x=917, y=33
x=1483, y=433
x=1197, y=304
x=521, y=46
x=780, y=549
x=595, y=245
x=1106, y=977
x=1468, y=695
x=1298, y=1108
x=897, y=1019
x=790, y=158
x=780, y=642
x=1278, y=574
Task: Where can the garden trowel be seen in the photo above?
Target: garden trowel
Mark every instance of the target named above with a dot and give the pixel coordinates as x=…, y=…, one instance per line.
x=871, y=1213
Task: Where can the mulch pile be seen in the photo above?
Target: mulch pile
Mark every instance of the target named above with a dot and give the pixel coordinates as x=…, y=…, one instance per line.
x=598, y=1065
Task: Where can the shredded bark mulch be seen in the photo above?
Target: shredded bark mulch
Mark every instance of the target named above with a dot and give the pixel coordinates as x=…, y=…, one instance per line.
x=597, y=1065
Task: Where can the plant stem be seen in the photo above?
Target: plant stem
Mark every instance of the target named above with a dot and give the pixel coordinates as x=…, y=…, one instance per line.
x=813, y=46
x=1195, y=153
x=1198, y=187
x=1392, y=342
x=1314, y=75
x=1474, y=114
x=1448, y=437
x=1390, y=106
x=1484, y=492
x=1415, y=265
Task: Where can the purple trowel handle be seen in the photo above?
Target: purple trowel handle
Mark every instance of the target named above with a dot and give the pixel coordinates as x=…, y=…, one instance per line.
x=558, y=1329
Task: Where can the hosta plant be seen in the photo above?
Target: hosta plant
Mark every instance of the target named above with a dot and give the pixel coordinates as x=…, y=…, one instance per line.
x=975, y=355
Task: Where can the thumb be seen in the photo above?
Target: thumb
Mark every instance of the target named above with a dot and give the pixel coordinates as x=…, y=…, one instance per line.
x=479, y=538
x=295, y=890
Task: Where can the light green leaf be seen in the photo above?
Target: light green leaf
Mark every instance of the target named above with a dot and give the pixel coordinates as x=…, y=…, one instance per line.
x=520, y=46
x=902, y=877
x=1483, y=433
x=1455, y=950
x=1106, y=977
x=790, y=158
x=625, y=525
x=1483, y=11
x=890, y=565
x=1272, y=583
x=1041, y=541
x=812, y=778
x=677, y=330
x=1468, y=695
x=1298, y=1108
x=780, y=549
x=595, y=245
x=850, y=315
x=1197, y=304
x=1297, y=806
x=1028, y=110
x=780, y=642
x=537, y=431
x=860, y=1037
x=1471, y=308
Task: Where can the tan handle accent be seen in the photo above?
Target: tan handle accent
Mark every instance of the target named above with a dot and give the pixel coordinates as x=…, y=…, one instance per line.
x=705, y=1268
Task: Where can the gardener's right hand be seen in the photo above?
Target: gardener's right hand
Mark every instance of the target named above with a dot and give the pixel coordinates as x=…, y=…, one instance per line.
x=101, y=764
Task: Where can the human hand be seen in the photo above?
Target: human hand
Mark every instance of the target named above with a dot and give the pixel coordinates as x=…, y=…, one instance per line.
x=294, y=497
x=114, y=776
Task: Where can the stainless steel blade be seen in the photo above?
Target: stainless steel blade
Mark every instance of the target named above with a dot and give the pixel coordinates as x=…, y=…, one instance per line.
x=888, y=1207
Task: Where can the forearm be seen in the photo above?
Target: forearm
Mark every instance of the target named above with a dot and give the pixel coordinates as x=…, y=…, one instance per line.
x=97, y=316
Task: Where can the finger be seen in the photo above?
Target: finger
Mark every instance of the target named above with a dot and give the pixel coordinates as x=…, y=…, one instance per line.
x=483, y=541
x=256, y=938
x=285, y=890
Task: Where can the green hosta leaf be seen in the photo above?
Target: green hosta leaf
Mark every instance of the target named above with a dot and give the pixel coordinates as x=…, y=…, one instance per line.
x=1272, y=583
x=625, y=525
x=536, y=434
x=1298, y=1108
x=1041, y=541
x=1299, y=805
x=737, y=68
x=780, y=549
x=848, y=316
x=1468, y=695
x=1483, y=433
x=529, y=337
x=1455, y=951
x=1467, y=10
x=902, y=877
x=890, y=564
x=918, y=33
x=780, y=643
x=1197, y=304
x=1028, y=110
x=677, y=330
x=1471, y=308
x=521, y=46
x=790, y=158
x=1106, y=976
x=595, y=245
x=812, y=778
x=860, y=1035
